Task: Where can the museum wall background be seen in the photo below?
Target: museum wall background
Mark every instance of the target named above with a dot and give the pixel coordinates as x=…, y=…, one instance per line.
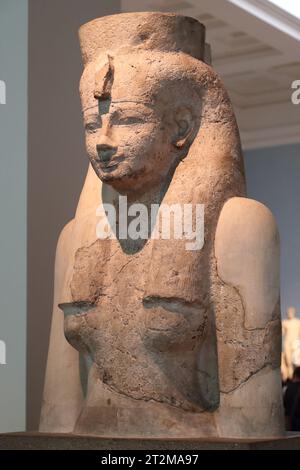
x=273, y=178
x=56, y=160
x=13, y=184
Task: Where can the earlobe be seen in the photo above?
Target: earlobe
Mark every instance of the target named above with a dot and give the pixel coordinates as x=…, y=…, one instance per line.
x=183, y=118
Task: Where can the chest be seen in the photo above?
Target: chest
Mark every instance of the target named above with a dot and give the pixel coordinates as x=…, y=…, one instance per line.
x=105, y=268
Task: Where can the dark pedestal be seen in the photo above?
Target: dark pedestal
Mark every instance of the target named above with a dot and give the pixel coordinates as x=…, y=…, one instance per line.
x=42, y=441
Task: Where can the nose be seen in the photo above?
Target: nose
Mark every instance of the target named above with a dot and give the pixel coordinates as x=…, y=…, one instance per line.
x=105, y=151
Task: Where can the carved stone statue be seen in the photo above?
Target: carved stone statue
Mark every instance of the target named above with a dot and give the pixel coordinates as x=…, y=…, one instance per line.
x=291, y=343
x=149, y=338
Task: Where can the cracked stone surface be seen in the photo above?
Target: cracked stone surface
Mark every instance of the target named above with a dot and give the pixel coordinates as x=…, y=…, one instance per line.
x=148, y=338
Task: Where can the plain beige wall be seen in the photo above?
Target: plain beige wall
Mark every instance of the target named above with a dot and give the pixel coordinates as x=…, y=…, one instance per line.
x=56, y=160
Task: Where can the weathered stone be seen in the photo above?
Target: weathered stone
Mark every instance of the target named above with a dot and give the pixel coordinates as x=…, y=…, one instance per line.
x=166, y=341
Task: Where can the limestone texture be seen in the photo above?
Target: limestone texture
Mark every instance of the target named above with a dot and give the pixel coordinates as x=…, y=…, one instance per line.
x=148, y=338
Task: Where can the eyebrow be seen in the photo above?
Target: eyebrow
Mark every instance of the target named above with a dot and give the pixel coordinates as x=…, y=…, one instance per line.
x=90, y=107
x=92, y=116
x=145, y=103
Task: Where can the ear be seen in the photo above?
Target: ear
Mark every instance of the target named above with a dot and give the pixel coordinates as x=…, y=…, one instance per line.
x=184, y=121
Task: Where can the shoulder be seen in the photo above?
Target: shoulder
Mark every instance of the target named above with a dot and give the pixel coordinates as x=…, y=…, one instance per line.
x=253, y=217
x=246, y=228
x=247, y=256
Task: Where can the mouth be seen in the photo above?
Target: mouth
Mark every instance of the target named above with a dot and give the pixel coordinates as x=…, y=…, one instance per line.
x=109, y=163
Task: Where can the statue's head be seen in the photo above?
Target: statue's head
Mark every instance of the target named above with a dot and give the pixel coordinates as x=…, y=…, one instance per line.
x=140, y=118
x=150, y=100
x=291, y=312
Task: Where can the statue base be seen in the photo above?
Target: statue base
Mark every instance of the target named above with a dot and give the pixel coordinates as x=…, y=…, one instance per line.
x=45, y=441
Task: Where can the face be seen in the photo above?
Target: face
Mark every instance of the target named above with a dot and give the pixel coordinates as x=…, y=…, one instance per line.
x=291, y=312
x=129, y=143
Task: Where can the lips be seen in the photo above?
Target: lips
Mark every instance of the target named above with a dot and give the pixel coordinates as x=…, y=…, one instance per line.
x=105, y=157
x=107, y=161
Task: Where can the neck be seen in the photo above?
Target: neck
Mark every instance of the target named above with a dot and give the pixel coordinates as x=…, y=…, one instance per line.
x=126, y=213
x=152, y=195
x=146, y=193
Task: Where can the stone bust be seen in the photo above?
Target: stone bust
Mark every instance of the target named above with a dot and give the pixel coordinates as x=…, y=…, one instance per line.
x=149, y=338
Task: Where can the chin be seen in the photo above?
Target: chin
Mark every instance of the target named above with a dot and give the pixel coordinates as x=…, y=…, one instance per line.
x=124, y=183
x=116, y=174
x=106, y=174
x=122, y=177
x=107, y=177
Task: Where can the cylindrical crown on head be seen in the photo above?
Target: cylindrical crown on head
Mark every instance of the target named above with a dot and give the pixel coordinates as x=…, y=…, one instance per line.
x=150, y=31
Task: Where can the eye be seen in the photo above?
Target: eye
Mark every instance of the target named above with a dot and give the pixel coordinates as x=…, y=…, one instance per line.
x=130, y=120
x=92, y=126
